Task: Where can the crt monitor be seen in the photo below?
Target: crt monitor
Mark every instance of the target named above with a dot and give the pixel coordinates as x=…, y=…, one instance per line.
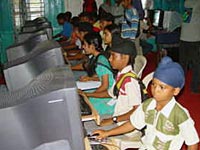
x=21, y=71
x=47, y=110
x=25, y=35
x=38, y=20
x=156, y=17
x=35, y=27
x=18, y=50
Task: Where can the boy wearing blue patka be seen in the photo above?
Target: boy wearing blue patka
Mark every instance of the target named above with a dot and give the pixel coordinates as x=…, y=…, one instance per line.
x=168, y=124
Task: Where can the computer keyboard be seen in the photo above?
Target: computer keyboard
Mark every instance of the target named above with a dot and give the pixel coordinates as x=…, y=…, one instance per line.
x=85, y=109
x=98, y=147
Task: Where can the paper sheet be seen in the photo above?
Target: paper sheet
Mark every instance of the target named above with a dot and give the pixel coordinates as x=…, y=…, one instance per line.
x=88, y=85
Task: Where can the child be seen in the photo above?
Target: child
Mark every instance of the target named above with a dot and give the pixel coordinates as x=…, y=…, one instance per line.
x=130, y=24
x=67, y=28
x=108, y=33
x=129, y=97
x=82, y=29
x=101, y=66
x=168, y=124
x=98, y=68
x=105, y=20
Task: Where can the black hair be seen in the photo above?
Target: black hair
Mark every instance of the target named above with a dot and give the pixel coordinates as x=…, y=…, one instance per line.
x=68, y=16
x=75, y=21
x=61, y=16
x=107, y=17
x=95, y=39
x=85, y=27
x=86, y=14
x=131, y=61
x=113, y=29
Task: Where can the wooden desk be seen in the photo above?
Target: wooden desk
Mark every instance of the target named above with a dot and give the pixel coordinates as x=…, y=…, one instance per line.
x=87, y=144
x=94, y=116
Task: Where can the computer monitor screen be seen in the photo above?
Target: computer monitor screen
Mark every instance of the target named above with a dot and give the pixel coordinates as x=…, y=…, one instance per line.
x=158, y=17
x=20, y=72
x=44, y=111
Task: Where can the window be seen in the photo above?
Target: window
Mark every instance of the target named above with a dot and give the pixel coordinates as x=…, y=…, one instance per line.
x=34, y=9
x=17, y=11
x=26, y=10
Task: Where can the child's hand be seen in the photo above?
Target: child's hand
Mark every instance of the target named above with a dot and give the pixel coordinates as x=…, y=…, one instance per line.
x=80, y=92
x=84, y=78
x=101, y=134
x=106, y=122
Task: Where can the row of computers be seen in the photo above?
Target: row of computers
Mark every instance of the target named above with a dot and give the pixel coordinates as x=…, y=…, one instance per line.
x=42, y=105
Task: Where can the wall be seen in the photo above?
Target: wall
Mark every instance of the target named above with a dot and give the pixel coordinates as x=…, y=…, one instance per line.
x=52, y=9
x=6, y=28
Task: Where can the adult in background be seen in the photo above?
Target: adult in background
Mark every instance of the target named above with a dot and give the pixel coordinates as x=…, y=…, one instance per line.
x=90, y=6
x=189, y=53
x=130, y=25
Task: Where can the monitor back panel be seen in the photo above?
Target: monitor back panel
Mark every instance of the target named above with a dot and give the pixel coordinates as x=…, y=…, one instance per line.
x=36, y=27
x=25, y=35
x=44, y=111
x=22, y=49
x=20, y=72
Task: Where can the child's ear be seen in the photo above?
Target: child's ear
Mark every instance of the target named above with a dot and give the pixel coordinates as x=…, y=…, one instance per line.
x=92, y=46
x=176, y=91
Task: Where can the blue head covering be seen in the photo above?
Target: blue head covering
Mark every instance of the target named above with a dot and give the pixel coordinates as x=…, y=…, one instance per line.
x=171, y=73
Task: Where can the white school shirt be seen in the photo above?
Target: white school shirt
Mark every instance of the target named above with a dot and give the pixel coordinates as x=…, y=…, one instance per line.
x=166, y=129
x=129, y=96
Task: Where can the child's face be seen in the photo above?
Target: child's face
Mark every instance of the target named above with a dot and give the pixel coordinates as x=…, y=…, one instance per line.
x=163, y=92
x=118, y=61
x=84, y=19
x=87, y=48
x=61, y=21
x=81, y=35
x=107, y=37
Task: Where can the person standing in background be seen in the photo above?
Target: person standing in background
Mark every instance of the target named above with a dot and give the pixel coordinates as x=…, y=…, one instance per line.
x=130, y=28
x=90, y=6
x=189, y=52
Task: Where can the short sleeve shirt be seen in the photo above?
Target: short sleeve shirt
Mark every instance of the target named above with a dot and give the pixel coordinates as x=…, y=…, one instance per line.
x=129, y=94
x=102, y=70
x=166, y=129
x=67, y=30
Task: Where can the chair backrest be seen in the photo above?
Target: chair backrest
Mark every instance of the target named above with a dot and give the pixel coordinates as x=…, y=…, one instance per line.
x=139, y=65
x=146, y=80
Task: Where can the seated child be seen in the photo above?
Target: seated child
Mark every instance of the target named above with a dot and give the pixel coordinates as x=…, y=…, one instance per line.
x=98, y=68
x=73, y=43
x=67, y=28
x=168, y=124
x=104, y=21
x=108, y=33
x=81, y=30
x=129, y=96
